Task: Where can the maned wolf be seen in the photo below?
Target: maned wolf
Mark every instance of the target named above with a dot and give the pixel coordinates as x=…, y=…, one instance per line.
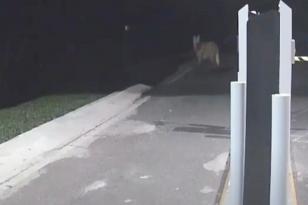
x=206, y=51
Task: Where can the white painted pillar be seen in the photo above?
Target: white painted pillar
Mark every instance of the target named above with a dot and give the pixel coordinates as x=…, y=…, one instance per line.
x=285, y=71
x=280, y=148
x=238, y=99
x=242, y=42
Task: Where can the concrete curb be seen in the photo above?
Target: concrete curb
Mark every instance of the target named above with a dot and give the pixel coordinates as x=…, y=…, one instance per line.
x=224, y=197
x=180, y=73
x=29, y=148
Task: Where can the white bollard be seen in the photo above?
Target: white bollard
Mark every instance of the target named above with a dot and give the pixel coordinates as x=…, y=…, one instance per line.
x=238, y=119
x=243, y=16
x=280, y=148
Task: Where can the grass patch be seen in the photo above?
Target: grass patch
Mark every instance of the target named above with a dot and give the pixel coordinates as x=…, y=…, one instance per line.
x=24, y=117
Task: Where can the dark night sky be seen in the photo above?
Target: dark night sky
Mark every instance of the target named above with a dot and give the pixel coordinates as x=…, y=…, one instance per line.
x=50, y=44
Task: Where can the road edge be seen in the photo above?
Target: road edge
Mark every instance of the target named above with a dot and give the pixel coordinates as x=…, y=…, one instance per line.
x=25, y=154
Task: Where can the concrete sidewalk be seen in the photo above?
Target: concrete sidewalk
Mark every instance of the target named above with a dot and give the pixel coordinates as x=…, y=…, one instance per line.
x=22, y=156
x=171, y=150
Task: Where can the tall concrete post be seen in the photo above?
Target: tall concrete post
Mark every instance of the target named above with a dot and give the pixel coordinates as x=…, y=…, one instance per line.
x=265, y=58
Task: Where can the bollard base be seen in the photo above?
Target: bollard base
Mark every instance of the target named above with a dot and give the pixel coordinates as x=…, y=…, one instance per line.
x=292, y=195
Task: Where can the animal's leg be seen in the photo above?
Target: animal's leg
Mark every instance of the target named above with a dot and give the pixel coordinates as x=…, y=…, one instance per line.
x=217, y=59
x=199, y=59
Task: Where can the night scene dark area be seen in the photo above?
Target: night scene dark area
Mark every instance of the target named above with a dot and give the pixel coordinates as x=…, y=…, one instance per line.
x=153, y=102
x=68, y=46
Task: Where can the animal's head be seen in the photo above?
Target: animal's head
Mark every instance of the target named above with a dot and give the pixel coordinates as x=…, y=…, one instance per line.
x=126, y=28
x=196, y=41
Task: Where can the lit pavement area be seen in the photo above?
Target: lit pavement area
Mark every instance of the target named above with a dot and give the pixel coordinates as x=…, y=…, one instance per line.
x=172, y=150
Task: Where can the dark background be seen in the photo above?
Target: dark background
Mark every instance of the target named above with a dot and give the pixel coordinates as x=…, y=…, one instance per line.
x=50, y=46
